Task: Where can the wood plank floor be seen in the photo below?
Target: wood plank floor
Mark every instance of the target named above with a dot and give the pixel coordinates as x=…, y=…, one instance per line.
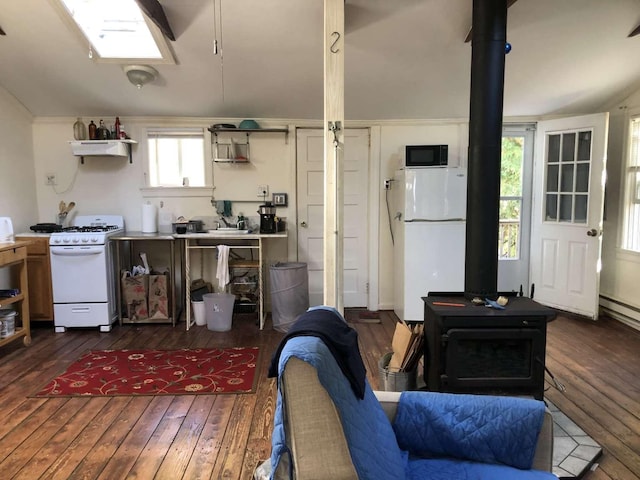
x=226, y=436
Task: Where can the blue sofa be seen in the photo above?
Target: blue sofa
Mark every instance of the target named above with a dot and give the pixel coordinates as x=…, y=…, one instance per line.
x=322, y=430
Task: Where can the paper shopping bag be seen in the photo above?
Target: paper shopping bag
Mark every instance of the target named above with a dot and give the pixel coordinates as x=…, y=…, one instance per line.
x=134, y=293
x=158, y=300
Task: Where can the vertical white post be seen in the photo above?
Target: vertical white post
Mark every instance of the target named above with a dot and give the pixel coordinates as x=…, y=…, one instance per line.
x=333, y=153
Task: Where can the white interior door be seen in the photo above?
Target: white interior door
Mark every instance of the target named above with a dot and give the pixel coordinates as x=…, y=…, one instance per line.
x=310, y=165
x=569, y=175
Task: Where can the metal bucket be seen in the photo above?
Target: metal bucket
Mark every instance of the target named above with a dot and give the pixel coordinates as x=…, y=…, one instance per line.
x=392, y=380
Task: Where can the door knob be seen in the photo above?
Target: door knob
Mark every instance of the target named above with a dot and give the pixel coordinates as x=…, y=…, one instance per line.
x=593, y=232
x=303, y=224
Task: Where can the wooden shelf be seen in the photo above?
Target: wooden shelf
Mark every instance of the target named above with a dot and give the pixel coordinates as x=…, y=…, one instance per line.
x=6, y=301
x=13, y=256
x=244, y=263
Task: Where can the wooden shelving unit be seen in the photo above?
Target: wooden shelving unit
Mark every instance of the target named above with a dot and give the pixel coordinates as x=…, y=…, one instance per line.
x=14, y=257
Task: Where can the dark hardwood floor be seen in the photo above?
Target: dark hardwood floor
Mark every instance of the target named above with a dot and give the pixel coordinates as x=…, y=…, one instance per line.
x=226, y=436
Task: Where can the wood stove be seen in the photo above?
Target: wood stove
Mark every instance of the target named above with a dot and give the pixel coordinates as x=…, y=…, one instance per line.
x=476, y=349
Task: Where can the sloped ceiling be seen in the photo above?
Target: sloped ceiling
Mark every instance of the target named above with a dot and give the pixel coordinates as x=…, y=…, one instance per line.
x=404, y=59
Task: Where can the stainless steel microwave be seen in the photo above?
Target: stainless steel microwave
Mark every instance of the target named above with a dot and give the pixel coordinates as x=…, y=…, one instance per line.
x=426, y=155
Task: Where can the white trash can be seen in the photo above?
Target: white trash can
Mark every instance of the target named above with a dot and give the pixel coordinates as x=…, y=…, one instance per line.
x=219, y=311
x=199, y=315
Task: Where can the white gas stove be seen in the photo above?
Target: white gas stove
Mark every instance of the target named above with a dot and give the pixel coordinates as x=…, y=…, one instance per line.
x=89, y=230
x=82, y=273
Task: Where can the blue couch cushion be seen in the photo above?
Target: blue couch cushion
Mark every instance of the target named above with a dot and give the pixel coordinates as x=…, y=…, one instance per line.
x=446, y=469
x=479, y=428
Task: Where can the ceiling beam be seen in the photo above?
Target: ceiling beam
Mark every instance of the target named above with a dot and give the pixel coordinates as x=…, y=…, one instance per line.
x=635, y=32
x=509, y=3
x=155, y=12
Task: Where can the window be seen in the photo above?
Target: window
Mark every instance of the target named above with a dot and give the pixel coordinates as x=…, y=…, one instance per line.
x=631, y=227
x=176, y=157
x=567, y=178
x=511, y=171
x=117, y=29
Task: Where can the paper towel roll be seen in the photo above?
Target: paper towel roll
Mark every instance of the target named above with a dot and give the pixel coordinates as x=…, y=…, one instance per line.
x=149, y=218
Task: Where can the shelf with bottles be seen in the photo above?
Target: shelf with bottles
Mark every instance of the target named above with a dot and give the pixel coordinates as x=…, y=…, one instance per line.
x=98, y=140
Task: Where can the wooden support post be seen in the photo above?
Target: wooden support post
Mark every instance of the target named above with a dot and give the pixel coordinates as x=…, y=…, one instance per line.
x=333, y=153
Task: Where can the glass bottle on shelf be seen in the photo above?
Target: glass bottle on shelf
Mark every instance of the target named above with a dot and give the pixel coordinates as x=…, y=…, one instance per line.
x=103, y=132
x=79, y=130
x=93, y=131
x=117, y=128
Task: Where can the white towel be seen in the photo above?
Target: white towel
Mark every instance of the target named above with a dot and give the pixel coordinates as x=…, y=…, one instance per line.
x=222, y=274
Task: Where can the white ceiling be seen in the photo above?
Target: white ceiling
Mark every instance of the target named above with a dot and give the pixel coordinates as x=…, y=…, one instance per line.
x=404, y=59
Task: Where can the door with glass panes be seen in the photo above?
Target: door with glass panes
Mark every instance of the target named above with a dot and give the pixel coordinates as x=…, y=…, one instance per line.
x=569, y=176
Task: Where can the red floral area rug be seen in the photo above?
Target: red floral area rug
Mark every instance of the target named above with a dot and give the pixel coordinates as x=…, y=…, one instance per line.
x=157, y=372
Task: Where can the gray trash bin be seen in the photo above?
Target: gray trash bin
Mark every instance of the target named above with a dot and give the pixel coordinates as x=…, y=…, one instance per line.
x=289, y=293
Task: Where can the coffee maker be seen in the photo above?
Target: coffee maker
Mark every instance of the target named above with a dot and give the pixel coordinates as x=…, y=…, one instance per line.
x=267, y=218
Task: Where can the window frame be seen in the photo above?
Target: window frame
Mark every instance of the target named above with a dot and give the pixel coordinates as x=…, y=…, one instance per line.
x=630, y=198
x=178, y=190
x=167, y=56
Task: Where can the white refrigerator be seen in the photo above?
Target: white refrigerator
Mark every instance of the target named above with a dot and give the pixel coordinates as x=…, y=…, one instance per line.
x=429, y=236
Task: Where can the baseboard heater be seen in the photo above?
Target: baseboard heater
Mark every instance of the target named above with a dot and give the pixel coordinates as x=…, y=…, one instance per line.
x=621, y=311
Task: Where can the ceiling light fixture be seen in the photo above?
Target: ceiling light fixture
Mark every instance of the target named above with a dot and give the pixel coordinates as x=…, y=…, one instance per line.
x=140, y=75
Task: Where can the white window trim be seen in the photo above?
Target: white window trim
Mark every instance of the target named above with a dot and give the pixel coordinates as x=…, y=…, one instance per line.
x=623, y=252
x=150, y=192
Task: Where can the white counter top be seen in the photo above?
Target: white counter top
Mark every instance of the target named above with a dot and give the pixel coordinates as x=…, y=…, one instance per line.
x=33, y=234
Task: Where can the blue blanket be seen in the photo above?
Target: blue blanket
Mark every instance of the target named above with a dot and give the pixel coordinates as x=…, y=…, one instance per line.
x=478, y=428
x=372, y=443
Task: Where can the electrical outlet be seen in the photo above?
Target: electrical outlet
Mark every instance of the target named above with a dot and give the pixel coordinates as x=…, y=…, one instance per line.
x=387, y=184
x=263, y=190
x=50, y=179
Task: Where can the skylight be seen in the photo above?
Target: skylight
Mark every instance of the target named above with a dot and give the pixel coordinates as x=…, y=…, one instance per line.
x=117, y=29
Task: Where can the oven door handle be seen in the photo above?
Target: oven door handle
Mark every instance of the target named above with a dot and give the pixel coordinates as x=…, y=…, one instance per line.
x=77, y=251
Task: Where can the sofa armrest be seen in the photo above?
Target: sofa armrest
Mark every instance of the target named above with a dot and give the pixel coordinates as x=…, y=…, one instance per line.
x=389, y=402
x=314, y=430
x=543, y=458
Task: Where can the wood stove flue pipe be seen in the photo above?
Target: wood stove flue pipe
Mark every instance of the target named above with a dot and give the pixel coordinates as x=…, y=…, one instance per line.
x=489, y=37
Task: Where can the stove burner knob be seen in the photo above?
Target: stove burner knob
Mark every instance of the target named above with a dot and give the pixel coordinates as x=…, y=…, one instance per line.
x=76, y=240
x=56, y=240
x=85, y=239
x=94, y=239
x=67, y=239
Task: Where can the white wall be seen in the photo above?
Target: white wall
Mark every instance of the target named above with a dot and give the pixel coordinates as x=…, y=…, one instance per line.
x=112, y=185
x=620, y=269
x=17, y=181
